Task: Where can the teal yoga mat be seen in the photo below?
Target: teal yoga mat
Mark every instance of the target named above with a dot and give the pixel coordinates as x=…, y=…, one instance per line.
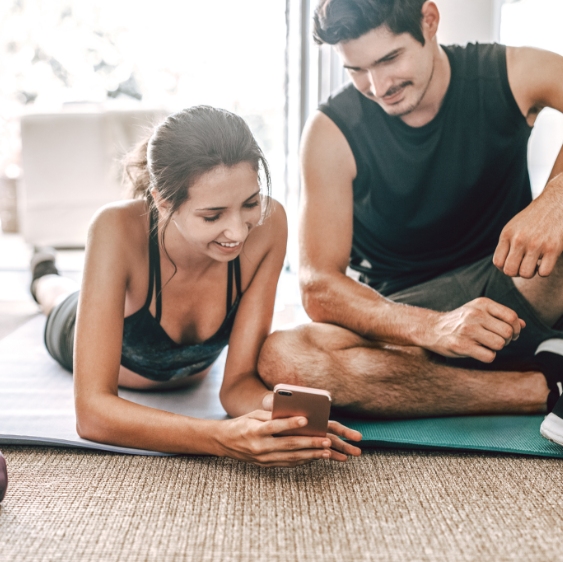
x=502, y=434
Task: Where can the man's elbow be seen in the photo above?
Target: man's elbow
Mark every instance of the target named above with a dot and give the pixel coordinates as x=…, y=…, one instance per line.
x=315, y=295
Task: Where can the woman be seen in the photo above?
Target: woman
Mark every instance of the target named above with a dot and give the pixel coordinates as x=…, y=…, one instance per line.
x=170, y=278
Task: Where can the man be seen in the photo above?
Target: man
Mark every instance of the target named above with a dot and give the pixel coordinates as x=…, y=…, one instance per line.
x=415, y=176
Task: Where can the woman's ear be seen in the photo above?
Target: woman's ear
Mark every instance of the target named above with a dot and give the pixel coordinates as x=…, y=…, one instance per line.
x=162, y=205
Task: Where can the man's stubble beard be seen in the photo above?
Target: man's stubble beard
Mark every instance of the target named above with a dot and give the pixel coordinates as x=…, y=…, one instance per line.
x=415, y=104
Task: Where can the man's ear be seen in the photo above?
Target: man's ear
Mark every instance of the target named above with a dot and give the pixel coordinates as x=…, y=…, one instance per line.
x=430, y=20
x=162, y=205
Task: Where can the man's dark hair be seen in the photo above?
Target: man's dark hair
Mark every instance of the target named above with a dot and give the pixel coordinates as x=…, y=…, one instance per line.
x=337, y=21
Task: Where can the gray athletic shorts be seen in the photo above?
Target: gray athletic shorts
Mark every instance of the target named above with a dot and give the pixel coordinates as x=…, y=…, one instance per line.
x=59, y=331
x=482, y=279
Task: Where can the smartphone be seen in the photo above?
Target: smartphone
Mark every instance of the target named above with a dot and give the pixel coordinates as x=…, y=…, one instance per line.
x=311, y=403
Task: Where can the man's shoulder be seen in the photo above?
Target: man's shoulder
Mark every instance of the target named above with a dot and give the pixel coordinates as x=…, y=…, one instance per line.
x=476, y=60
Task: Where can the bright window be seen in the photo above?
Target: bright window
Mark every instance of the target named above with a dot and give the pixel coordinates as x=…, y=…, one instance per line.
x=537, y=23
x=168, y=54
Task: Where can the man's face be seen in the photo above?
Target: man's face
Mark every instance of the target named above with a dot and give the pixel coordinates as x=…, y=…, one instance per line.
x=393, y=70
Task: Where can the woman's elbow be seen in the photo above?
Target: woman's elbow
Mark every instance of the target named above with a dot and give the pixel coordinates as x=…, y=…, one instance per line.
x=89, y=425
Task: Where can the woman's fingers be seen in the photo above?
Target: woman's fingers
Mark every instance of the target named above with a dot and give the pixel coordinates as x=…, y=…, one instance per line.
x=260, y=415
x=342, y=447
x=301, y=442
x=273, y=427
x=336, y=456
x=289, y=450
x=293, y=457
x=343, y=431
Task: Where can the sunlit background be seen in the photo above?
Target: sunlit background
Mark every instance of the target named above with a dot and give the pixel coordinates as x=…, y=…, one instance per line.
x=82, y=81
x=126, y=54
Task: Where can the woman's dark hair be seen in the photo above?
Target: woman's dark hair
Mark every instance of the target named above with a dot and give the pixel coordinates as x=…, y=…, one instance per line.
x=337, y=21
x=187, y=145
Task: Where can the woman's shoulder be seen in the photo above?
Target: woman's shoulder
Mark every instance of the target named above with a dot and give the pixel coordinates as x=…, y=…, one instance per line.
x=266, y=240
x=271, y=233
x=122, y=226
x=129, y=216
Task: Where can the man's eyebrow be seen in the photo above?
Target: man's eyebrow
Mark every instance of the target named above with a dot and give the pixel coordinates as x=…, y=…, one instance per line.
x=223, y=208
x=379, y=61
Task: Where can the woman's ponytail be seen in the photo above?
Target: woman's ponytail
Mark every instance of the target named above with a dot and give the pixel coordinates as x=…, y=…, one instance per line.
x=136, y=171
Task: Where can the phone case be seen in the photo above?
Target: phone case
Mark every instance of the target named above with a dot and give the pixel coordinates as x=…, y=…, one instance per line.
x=312, y=403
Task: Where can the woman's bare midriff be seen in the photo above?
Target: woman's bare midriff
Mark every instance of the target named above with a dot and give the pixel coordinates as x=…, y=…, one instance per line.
x=129, y=379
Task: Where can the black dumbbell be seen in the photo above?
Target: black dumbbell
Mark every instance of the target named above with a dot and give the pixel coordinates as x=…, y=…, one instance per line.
x=3, y=477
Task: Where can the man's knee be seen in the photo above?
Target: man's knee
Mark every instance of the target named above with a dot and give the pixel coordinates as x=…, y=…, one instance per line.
x=301, y=355
x=280, y=356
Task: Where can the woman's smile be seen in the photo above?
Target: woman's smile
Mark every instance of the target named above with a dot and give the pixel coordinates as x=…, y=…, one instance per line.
x=228, y=247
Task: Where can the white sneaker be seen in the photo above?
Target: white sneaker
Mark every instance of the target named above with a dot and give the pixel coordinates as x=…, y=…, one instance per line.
x=552, y=427
x=550, y=355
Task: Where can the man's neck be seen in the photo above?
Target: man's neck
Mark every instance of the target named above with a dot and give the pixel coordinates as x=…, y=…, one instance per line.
x=435, y=94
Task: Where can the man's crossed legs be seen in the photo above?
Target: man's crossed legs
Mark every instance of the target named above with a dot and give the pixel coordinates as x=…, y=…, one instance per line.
x=388, y=381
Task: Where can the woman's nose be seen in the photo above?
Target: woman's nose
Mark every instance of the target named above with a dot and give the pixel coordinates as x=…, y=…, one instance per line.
x=237, y=229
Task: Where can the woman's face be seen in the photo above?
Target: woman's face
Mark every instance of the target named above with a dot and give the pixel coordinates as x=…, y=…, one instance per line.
x=223, y=207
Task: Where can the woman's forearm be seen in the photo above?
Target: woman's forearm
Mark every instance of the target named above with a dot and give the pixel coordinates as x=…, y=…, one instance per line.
x=115, y=421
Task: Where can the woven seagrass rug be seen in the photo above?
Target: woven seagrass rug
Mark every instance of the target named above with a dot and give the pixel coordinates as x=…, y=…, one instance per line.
x=389, y=506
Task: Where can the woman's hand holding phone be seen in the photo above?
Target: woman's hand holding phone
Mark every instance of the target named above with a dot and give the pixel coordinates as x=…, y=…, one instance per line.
x=250, y=438
x=314, y=404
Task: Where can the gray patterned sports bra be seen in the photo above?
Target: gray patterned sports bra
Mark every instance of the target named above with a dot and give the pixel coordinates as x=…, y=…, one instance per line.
x=149, y=351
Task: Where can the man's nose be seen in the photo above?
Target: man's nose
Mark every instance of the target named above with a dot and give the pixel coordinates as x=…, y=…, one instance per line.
x=379, y=84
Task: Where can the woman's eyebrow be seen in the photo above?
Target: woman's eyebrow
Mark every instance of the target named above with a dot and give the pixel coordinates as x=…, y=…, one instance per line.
x=223, y=208
x=253, y=195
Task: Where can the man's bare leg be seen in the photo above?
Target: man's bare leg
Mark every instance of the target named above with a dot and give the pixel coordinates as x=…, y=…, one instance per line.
x=545, y=294
x=387, y=381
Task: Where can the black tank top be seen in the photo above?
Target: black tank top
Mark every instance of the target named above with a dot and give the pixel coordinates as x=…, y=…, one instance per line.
x=433, y=198
x=149, y=351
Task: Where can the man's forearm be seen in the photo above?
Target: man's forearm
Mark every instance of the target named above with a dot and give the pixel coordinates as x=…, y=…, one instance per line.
x=338, y=299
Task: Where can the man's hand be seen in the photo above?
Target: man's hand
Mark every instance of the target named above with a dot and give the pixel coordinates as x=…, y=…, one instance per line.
x=477, y=329
x=533, y=240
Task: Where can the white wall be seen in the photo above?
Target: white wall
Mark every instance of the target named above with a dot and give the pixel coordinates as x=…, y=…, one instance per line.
x=468, y=21
x=71, y=167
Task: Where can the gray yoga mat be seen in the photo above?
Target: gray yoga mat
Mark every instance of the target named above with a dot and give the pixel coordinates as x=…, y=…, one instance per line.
x=36, y=407
x=37, y=402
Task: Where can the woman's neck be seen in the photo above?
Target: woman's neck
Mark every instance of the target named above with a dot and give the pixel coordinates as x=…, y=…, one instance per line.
x=184, y=257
